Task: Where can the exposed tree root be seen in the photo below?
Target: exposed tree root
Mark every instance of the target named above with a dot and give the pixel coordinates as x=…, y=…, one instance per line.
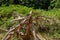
x=28, y=24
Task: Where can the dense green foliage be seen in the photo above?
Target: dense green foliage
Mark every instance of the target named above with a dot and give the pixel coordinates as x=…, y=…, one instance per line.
x=43, y=4
x=58, y=4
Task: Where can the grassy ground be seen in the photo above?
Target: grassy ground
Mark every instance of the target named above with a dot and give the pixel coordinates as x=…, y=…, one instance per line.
x=7, y=13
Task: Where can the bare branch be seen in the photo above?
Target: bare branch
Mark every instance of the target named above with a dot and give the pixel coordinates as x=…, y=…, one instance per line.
x=3, y=30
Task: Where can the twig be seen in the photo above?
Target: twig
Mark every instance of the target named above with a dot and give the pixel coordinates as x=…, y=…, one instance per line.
x=3, y=30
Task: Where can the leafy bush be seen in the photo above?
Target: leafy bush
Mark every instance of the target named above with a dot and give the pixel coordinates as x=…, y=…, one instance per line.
x=43, y=4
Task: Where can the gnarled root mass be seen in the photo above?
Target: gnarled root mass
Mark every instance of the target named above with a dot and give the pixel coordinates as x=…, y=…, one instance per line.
x=27, y=23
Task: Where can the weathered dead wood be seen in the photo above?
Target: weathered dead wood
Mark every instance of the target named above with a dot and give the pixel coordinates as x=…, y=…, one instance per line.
x=14, y=29
x=29, y=35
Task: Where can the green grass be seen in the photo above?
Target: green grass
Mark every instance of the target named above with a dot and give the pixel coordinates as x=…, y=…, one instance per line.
x=51, y=13
x=17, y=8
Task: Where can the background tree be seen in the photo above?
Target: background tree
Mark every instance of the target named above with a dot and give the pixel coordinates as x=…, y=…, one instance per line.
x=43, y=4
